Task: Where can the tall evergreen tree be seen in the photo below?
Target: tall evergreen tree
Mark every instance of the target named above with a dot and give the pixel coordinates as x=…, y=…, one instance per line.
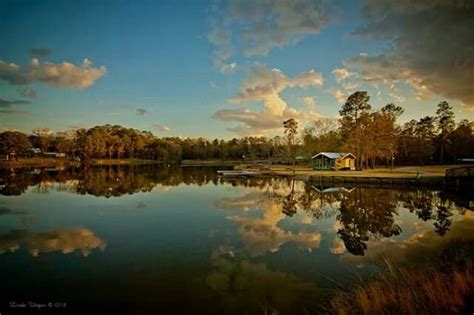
x=446, y=125
x=353, y=114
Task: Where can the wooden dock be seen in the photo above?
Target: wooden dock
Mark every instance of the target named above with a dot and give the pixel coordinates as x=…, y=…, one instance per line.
x=460, y=178
x=378, y=181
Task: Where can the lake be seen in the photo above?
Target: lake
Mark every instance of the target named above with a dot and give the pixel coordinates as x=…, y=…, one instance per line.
x=154, y=240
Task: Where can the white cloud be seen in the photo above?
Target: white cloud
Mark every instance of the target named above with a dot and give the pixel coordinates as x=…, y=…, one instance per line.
x=310, y=101
x=341, y=74
x=63, y=74
x=265, y=85
x=162, y=127
x=349, y=85
x=397, y=97
x=339, y=95
x=41, y=132
x=228, y=68
x=262, y=25
x=421, y=95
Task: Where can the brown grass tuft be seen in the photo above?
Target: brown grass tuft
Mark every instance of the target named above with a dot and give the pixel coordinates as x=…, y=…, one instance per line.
x=410, y=292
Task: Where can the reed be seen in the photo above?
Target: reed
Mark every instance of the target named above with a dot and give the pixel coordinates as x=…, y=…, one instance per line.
x=404, y=291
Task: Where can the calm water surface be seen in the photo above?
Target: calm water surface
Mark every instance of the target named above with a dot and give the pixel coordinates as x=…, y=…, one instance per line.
x=148, y=240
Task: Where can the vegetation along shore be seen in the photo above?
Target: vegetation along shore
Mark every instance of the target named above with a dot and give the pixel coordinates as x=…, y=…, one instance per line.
x=417, y=151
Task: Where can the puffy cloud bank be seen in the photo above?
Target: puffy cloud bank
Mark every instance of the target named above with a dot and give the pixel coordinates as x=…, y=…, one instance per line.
x=261, y=25
x=264, y=85
x=431, y=46
x=58, y=75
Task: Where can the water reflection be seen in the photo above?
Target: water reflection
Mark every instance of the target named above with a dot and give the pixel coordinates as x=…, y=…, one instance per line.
x=361, y=214
x=103, y=181
x=240, y=286
x=65, y=241
x=424, y=245
x=8, y=211
x=212, y=245
x=263, y=234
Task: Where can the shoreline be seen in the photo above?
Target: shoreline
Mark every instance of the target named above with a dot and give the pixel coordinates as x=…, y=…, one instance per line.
x=55, y=162
x=423, y=173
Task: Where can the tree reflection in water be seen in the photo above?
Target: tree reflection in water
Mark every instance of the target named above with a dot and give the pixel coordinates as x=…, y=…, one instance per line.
x=361, y=213
x=370, y=213
x=289, y=202
x=103, y=181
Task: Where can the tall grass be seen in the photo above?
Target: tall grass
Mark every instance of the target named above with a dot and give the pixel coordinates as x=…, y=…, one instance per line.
x=410, y=292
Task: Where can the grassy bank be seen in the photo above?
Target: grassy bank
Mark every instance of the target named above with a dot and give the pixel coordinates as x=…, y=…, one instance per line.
x=401, y=172
x=123, y=161
x=411, y=292
x=54, y=162
x=36, y=162
x=209, y=163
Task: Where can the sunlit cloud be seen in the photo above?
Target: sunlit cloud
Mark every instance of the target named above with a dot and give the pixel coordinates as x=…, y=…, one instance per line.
x=64, y=74
x=43, y=132
x=431, y=47
x=339, y=95
x=264, y=85
x=341, y=74
x=310, y=101
x=349, y=85
x=396, y=97
x=262, y=25
x=161, y=127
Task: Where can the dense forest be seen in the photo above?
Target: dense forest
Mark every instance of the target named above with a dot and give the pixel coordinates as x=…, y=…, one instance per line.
x=375, y=137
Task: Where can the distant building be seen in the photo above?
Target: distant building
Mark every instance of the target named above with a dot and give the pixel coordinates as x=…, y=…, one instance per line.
x=466, y=161
x=334, y=161
x=33, y=152
x=54, y=154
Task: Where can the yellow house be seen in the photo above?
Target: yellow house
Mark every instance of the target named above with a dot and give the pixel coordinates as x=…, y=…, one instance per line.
x=334, y=161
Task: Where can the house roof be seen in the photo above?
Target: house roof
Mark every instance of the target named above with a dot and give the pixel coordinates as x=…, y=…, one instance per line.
x=333, y=155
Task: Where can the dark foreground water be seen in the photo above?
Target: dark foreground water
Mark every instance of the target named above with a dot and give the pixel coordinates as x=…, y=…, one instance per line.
x=148, y=240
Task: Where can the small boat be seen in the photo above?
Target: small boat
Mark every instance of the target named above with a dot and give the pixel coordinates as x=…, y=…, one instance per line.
x=332, y=189
x=236, y=173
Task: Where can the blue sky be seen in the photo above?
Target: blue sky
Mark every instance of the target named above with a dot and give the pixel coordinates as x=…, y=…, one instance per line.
x=160, y=71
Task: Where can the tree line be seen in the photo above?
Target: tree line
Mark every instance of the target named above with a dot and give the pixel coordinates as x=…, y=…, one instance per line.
x=117, y=142
x=375, y=137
